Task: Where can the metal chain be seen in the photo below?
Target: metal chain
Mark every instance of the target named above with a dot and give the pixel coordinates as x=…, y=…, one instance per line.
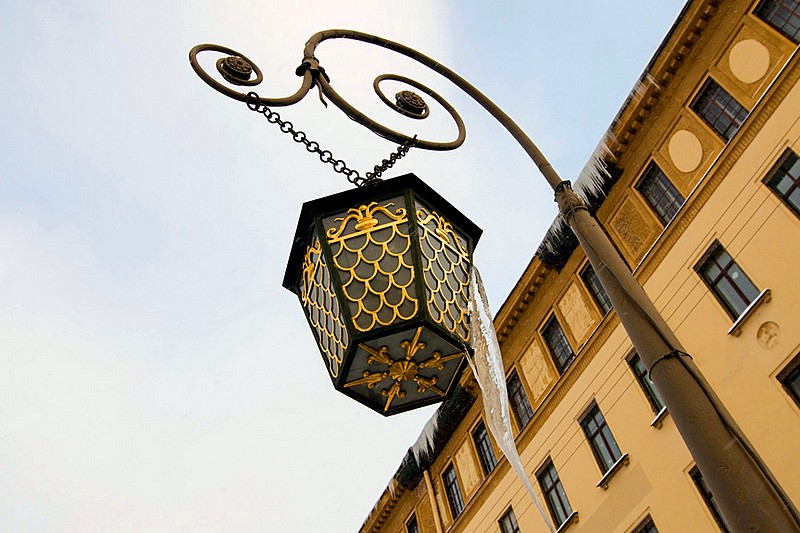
x=353, y=176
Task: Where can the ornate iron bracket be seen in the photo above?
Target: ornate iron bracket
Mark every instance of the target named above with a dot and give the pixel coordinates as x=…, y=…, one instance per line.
x=237, y=69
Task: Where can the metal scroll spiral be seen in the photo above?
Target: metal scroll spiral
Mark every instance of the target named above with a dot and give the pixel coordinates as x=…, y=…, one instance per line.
x=238, y=70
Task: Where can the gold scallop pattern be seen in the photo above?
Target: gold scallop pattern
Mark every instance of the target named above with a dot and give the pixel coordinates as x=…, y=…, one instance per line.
x=322, y=307
x=371, y=249
x=445, y=265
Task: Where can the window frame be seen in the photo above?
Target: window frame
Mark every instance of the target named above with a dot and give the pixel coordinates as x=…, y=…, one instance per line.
x=795, y=38
x=561, y=366
x=526, y=404
x=549, y=469
x=598, y=293
x=789, y=373
x=645, y=383
x=412, y=518
x=737, y=114
x=484, y=448
x=708, y=497
x=712, y=286
x=601, y=433
x=452, y=490
x=514, y=525
x=654, y=185
x=644, y=524
x=778, y=171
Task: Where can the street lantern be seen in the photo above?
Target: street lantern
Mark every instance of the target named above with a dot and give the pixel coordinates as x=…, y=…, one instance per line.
x=382, y=274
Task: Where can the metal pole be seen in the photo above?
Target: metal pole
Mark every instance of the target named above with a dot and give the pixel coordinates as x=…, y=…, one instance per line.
x=748, y=497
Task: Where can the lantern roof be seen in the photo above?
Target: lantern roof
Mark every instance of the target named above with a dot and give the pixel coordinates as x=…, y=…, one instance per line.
x=372, y=192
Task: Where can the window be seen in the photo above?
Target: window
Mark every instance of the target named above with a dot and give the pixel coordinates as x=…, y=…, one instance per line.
x=508, y=522
x=653, y=397
x=453, y=491
x=719, y=109
x=411, y=524
x=597, y=291
x=660, y=194
x=727, y=280
x=646, y=526
x=484, y=447
x=784, y=180
x=790, y=379
x=557, y=344
x=518, y=400
x=783, y=15
x=602, y=441
x=697, y=477
x=554, y=493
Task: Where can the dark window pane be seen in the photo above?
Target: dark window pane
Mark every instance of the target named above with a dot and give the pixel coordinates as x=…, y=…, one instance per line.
x=697, y=477
x=484, y=446
x=596, y=289
x=662, y=196
x=784, y=180
x=719, y=109
x=557, y=344
x=411, y=525
x=518, y=400
x=600, y=438
x=783, y=15
x=508, y=523
x=792, y=383
x=728, y=292
x=453, y=491
x=728, y=281
x=653, y=397
x=554, y=493
x=794, y=197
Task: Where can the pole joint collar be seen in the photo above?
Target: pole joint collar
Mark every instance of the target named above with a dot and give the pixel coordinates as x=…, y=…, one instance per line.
x=568, y=202
x=673, y=353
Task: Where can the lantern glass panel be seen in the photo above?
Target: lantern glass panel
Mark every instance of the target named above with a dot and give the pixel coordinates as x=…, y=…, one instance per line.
x=371, y=250
x=445, y=264
x=322, y=308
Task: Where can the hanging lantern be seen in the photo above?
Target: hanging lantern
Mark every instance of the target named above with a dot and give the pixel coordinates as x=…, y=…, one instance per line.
x=382, y=273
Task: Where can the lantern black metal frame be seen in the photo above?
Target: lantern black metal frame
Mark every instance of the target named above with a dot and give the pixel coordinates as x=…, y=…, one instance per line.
x=388, y=383
x=748, y=494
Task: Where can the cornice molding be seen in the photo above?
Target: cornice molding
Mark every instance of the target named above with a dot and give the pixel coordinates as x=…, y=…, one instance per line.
x=383, y=508
x=658, y=76
x=520, y=299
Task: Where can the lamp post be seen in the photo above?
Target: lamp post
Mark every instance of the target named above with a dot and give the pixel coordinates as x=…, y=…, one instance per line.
x=748, y=495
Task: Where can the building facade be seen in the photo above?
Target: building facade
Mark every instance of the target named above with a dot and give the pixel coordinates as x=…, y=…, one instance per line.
x=702, y=199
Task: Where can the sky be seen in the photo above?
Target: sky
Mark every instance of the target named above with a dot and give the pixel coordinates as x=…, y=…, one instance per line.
x=154, y=374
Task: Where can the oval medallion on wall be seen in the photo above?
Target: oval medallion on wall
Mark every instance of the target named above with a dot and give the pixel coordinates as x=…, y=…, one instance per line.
x=685, y=150
x=749, y=60
x=767, y=334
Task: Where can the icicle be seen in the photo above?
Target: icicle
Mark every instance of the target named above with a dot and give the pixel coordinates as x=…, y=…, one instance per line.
x=424, y=445
x=594, y=175
x=487, y=365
